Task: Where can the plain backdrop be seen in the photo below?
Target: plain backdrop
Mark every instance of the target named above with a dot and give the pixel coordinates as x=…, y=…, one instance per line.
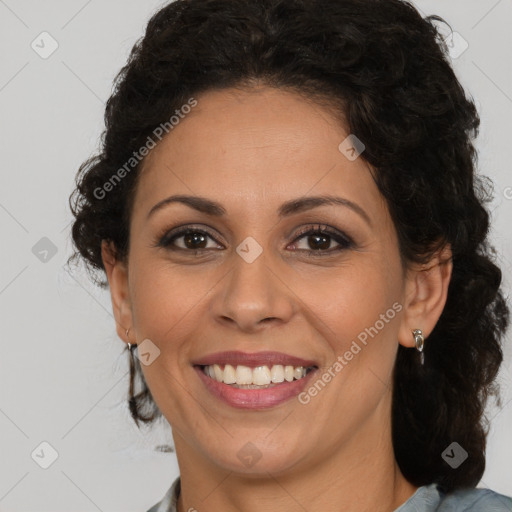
x=63, y=371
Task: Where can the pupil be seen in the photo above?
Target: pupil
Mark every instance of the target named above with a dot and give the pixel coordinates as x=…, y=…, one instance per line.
x=193, y=238
x=316, y=238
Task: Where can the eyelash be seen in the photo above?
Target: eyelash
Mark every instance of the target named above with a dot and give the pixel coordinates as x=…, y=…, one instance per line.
x=344, y=241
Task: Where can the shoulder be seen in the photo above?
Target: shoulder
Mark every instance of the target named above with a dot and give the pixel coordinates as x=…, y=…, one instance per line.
x=474, y=500
x=169, y=502
x=431, y=498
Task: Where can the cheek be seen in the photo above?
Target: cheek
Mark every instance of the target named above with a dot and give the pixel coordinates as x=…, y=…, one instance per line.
x=358, y=312
x=164, y=296
x=166, y=302
x=350, y=299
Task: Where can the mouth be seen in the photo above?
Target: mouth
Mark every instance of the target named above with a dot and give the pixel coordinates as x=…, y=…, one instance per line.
x=254, y=381
x=260, y=377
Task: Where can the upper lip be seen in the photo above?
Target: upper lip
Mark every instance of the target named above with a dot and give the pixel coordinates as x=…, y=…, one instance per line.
x=252, y=360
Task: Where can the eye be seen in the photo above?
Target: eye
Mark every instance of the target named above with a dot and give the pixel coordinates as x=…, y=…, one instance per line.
x=319, y=238
x=188, y=238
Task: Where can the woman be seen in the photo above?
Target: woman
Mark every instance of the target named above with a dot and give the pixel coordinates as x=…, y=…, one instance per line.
x=295, y=241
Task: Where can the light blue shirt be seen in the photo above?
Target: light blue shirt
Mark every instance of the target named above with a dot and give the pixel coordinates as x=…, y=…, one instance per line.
x=427, y=498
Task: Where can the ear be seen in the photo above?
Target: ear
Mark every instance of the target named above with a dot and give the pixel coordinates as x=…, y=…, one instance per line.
x=426, y=290
x=117, y=275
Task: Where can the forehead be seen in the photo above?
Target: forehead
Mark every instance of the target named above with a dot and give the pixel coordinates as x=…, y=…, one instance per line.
x=255, y=148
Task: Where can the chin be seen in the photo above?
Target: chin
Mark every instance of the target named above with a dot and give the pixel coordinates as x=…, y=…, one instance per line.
x=250, y=460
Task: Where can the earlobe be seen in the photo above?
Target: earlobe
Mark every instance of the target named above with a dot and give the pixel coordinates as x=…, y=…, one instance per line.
x=426, y=292
x=117, y=275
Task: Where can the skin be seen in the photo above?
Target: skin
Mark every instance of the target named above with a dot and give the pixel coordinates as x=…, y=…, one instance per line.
x=251, y=150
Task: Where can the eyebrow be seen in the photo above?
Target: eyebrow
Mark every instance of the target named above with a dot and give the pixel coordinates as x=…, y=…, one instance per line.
x=288, y=208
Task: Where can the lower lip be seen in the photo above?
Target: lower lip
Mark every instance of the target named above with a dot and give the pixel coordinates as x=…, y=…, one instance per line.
x=254, y=398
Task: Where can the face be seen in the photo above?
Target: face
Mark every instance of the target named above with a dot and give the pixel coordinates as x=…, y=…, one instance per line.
x=317, y=282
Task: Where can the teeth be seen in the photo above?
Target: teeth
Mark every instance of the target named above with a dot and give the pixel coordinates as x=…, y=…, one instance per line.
x=244, y=376
x=228, y=376
x=261, y=376
x=277, y=373
x=218, y=373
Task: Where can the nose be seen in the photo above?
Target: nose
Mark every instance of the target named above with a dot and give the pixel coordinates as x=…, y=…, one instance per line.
x=253, y=296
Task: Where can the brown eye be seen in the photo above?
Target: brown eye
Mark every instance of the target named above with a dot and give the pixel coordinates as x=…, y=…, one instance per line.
x=194, y=240
x=318, y=240
x=187, y=239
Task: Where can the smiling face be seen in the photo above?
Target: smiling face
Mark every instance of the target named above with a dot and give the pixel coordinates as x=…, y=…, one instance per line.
x=248, y=277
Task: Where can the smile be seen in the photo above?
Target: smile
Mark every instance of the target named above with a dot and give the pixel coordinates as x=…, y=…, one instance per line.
x=254, y=396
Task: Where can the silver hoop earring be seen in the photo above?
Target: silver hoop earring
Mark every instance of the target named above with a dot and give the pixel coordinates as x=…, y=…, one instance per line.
x=419, y=341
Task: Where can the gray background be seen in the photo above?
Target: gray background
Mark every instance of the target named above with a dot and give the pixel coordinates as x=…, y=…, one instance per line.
x=63, y=375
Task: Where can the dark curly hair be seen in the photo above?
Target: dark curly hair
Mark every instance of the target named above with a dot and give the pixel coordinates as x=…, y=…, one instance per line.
x=385, y=70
